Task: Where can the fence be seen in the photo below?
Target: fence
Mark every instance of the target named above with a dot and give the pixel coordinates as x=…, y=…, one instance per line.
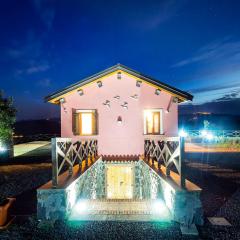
x=65, y=151
x=167, y=151
x=216, y=133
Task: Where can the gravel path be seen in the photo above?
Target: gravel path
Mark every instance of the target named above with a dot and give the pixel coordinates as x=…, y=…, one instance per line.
x=220, y=197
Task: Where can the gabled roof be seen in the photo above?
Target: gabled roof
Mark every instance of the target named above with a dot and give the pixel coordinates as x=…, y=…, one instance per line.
x=54, y=98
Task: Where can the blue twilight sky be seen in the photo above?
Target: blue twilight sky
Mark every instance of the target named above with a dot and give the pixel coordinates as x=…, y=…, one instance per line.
x=192, y=45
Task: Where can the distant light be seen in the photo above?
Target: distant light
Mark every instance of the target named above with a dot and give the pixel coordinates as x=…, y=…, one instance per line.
x=182, y=133
x=209, y=136
x=138, y=83
x=99, y=83
x=204, y=133
x=80, y=92
x=157, y=91
x=2, y=148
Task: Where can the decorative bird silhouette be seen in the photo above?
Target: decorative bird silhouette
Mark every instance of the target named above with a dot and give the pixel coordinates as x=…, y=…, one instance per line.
x=117, y=97
x=107, y=103
x=135, y=96
x=125, y=105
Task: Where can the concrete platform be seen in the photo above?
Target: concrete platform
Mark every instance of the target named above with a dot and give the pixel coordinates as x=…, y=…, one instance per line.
x=120, y=210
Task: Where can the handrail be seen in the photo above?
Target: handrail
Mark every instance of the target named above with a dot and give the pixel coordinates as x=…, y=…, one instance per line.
x=167, y=151
x=65, y=151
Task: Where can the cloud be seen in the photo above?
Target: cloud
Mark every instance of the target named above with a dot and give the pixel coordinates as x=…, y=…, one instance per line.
x=36, y=69
x=218, y=52
x=46, y=11
x=46, y=82
x=230, y=96
x=214, y=88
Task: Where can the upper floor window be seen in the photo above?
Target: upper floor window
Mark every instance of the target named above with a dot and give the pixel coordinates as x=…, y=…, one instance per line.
x=153, y=121
x=84, y=122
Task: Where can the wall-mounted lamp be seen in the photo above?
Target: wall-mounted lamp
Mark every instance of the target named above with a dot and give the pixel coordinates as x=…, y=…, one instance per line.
x=62, y=100
x=119, y=120
x=80, y=92
x=138, y=83
x=119, y=76
x=99, y=83
x=158, y=91
x=175, y=100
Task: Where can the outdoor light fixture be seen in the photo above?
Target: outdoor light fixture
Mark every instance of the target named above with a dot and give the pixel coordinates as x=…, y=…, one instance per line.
x=119, y=120
x=119, y=75
x=99, y=83
x=209, y=136
x=204, y=133
x=2, y=148
x=62, y=100
x=175, y=100
x=80, y=92
x=183, y=133
x=157, y=91
x=167, y=111
x=138, y=83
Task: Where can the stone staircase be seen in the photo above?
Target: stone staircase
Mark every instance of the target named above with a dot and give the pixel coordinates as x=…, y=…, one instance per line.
x=120, y=210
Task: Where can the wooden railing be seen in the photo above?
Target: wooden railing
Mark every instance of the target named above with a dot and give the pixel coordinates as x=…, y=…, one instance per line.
x=167, y=151
x=66, y=152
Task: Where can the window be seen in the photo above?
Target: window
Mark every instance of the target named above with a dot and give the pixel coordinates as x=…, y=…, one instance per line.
x=84, y=122
x=153, y=121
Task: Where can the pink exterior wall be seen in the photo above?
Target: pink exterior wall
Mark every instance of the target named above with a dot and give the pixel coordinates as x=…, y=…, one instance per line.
x=113, y=138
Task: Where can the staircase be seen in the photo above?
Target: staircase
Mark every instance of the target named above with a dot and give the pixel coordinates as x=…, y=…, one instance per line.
x=120, y=210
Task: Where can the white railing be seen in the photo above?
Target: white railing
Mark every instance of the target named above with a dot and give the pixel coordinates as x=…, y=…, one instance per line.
x=216, y=133
x=167, y=151
x=66, y=152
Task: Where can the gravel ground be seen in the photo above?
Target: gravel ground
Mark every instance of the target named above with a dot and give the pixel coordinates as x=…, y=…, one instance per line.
x=220, y=197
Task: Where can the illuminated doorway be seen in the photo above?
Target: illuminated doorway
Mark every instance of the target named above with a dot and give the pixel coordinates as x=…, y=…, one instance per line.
x=120, y=181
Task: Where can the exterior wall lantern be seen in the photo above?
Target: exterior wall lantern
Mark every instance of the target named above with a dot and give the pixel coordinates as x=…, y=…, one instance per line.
x=158, y=91
x=80, y=92
x=119, y=76
x=138, y=83
x=99, y=83
x=62, y=100
x=119, y=120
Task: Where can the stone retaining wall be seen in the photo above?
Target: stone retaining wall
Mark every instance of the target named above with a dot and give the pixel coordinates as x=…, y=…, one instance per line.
x=185, y=206
x=57, y=203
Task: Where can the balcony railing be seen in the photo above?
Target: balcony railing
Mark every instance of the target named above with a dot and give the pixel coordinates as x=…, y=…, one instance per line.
x=166, y=151
x=66, y=152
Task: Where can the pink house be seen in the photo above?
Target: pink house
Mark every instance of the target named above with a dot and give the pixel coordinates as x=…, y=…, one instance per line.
x=119, y=107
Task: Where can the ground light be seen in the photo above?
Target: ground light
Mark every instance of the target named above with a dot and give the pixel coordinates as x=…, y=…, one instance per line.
x=183, y=133
x=2, y=148
x=81, y=206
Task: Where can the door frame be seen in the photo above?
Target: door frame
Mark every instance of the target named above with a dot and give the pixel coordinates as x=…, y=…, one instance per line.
x=132, y=165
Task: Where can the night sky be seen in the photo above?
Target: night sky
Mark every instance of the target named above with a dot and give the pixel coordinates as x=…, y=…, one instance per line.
x=192, y=45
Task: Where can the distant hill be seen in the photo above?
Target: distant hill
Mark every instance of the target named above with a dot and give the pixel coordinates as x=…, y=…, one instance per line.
x=41, y=126
x=195, y=121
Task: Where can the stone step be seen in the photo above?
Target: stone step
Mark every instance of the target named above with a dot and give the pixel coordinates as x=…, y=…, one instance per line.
x=132, y=210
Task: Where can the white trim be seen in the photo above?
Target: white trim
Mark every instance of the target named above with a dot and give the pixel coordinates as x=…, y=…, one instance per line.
x=85, y=110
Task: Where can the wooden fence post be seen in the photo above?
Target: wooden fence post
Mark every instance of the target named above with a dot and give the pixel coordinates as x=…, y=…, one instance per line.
x=54, y=162
x=182, y=162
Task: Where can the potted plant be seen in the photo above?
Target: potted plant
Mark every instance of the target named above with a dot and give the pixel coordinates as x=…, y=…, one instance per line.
x=5, y=206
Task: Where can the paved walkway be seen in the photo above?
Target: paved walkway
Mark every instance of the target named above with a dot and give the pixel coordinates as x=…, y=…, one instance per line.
x=120, y=210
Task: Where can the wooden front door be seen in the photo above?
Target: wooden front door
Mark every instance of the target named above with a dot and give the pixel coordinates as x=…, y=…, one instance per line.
x=119, y=181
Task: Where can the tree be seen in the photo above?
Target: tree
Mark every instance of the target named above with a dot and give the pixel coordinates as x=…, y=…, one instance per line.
x=7, y=120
